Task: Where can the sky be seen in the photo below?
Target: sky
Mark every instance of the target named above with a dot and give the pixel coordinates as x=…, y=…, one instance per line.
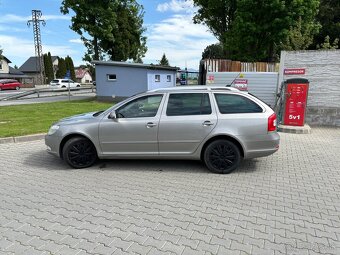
x=168, y=23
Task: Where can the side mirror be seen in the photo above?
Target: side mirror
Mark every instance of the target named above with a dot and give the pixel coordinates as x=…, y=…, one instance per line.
x=113, y=115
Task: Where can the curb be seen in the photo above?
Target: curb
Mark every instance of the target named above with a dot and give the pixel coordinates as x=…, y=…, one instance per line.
x=306, y=129
x=20, y=139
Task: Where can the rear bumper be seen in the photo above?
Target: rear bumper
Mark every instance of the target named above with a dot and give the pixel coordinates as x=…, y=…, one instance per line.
x=261, y=145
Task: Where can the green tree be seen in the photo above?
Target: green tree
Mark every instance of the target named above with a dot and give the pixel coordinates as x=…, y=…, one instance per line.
x=61, y=72
x=70, y=66
x=164, y=61
x=298, y=38
x=214, y=51
x=49, y=74
x=327, y=45
x=329, y=18
x=16, y=67
x=218, y=15
x=111, y=28
x=261, y=26
x=255, y=30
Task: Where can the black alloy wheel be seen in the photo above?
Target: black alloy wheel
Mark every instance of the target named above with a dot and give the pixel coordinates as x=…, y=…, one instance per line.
x=79, y=152
x=222, y=156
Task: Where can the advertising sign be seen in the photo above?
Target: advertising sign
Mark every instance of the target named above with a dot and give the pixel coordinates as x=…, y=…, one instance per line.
x=241, y=84
x=294, y=71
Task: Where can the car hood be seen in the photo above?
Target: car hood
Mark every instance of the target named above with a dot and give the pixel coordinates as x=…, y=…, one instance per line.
x=78, y=118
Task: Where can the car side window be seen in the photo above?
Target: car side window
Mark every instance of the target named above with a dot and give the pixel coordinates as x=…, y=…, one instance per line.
x=188, y=104
x=64, y=81
x=146, y=106
x=228, y=103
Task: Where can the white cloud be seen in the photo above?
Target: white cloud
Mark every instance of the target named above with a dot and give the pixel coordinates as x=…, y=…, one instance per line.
x=19, y=50
x=76, y=41
x=180, y=39
x=12, y=18
x=177, y=6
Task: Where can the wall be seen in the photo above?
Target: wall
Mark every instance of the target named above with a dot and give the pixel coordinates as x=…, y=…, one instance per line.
x=87, y=78
x=5, y=67
x=130, y=81
x=263, y=85
x=322, y=69
x=163, y=83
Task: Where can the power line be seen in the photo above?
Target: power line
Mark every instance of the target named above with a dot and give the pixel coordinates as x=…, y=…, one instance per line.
x=36, y=15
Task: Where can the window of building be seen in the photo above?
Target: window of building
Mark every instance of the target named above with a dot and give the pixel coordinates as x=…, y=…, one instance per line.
x=236, y=104
x=157, y=78
x=0, y=65
x=188, y=104
x=111, y=77
x=168, y=78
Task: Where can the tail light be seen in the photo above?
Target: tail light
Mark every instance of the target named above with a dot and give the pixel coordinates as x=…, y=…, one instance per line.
x=272, y=122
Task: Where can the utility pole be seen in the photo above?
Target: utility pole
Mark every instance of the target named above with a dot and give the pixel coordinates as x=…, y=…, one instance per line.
x=36, y=15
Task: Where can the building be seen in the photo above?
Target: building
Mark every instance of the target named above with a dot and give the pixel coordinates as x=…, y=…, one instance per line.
x=83, y=75
x=31, y=70
x=8, y=72
x=121, y=79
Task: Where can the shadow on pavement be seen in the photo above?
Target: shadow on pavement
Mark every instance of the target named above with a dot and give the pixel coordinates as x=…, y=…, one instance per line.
x=50, y=163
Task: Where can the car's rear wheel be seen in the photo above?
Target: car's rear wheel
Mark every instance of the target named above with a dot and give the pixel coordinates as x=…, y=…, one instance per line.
x=222, y=156
x=79, y=152
x=17, y=87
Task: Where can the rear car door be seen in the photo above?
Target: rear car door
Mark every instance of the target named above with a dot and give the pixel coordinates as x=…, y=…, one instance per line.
x=134, y=131
x=186, y=121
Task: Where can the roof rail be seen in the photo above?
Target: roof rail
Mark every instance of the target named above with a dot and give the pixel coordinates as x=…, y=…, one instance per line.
x=198, y=87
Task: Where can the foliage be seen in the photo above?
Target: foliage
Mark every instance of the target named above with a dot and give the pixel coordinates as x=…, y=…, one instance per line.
x=214, y=51
x=298, y=38
x=218, y=15
x=70, y=66
x=49, y=73
x=16, y=67
x=327, y=45
x=261, y=26
x=255, y=30
x=38, y=117
x=61, y=72
x=110, y=28
x=164, y=61
x=329, y=18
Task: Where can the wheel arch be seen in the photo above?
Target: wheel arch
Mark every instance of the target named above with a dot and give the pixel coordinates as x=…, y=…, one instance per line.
x=68, y=137
x=222, y=137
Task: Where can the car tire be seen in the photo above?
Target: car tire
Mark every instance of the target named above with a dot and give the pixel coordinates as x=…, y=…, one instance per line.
x=222, y=156
x=78, y=86
x=63, y=86
x=17, y=88
x=79, y=152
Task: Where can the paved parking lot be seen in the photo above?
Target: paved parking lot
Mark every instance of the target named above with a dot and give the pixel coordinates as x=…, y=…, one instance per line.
x=288, y=203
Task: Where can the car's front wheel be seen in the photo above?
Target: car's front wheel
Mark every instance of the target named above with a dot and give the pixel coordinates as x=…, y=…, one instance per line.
x=222, y=156
x=79, y=152
x=17, y=87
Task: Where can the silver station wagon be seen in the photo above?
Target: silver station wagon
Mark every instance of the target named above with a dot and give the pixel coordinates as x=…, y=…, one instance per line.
x=218, y=125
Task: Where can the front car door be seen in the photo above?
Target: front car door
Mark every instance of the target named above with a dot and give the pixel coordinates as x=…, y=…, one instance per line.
x=134, y=130
x=186, y=121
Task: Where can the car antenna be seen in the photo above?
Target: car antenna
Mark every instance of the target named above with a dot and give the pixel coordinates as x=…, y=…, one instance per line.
x=229, y=85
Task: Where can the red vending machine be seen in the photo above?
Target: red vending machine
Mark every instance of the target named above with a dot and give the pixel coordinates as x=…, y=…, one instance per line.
x=296, y=93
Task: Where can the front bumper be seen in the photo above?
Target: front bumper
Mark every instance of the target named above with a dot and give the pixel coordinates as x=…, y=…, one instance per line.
x=53, y=142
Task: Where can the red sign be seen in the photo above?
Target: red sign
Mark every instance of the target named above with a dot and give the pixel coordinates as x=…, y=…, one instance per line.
x=292, y=71
x=241, y=84
x=211, y=77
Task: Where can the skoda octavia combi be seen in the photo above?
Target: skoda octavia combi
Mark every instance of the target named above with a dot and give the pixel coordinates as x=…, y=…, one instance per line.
x=220, y=126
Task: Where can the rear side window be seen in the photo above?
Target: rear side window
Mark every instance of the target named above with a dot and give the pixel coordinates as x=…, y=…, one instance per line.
x=188, y=104
x=228, y=103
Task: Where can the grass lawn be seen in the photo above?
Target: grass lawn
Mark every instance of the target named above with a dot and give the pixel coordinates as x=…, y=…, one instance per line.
x=27, y=119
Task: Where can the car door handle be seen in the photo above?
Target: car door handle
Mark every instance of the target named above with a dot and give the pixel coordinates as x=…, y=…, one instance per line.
x=150, y=125
x=207, y=123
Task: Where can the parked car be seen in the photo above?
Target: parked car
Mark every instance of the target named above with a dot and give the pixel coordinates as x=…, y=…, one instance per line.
x=10, y=84
x=220, y=126
x=63, y=84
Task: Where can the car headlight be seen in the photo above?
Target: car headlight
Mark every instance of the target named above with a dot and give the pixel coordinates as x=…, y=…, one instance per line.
x=53, y=129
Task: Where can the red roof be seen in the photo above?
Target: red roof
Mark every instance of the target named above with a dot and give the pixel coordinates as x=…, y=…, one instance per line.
x=80, y=73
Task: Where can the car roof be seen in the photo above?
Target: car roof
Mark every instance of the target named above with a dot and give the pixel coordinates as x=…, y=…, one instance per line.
x=196, y=88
